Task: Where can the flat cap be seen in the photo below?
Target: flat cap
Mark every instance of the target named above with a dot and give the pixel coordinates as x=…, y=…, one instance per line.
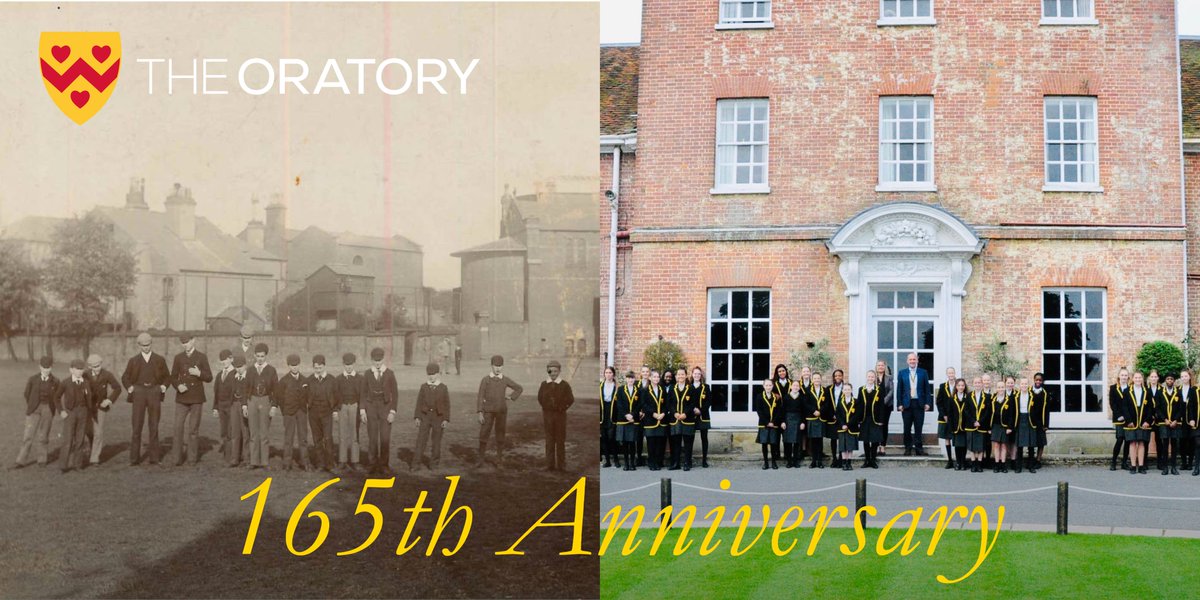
x=225, y=353
x=239, y=361
x=553, y=363
x=349, y=358
x=143, y=338
x=293, y=359
x=497, y=360
x=94, y=360
x=185, y=338
x=432, y=368
x=77, y=363
x=46, y=362
x=261, y=347
x=318, y=359
x=247, y=331
x=377, y=354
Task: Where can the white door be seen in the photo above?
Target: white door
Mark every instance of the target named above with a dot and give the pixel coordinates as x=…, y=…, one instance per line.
x=905, y=320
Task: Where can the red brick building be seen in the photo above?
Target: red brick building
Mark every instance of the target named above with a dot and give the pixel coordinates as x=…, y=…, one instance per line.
x=904, y=175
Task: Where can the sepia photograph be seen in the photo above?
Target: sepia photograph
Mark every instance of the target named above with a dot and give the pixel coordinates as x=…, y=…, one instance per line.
x=299, y=300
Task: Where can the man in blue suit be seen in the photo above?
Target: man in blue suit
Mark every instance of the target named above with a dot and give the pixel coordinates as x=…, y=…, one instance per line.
x=912, y=400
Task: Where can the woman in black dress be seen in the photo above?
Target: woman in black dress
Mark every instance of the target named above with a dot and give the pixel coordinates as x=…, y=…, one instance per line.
x=703, y=394
x=1154, y=393
x=770, y=423
x=1118, y=397
x=830, y=418
x=608, y=430
x=1139, y=417
x=683, y=423
x=875, y=415
x=883, y=379
x=625, y=418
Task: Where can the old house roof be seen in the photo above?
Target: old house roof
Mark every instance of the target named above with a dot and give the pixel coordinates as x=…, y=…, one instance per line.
x=347, y=270
x=618, y=89
x=501, y=245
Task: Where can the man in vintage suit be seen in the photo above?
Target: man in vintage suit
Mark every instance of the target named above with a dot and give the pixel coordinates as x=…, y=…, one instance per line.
x=378, y=411
x=262, y=380
x=492, y=405
x=432, y=415
x=348, y=392
x=75, y=402
x=555, y=397
x=41, y=406
x=291, y=396
x=189, y=373
x=912, y=400
x=105, y=391
x=321, y=406
x=145, y=378
x=223, y=398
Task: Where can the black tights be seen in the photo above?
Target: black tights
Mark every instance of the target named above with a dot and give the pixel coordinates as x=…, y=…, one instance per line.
x=1120, y=447
x=774, y=451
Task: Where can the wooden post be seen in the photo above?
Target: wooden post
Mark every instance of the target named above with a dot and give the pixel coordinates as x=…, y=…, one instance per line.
x=860, y=500
x=1062, y=508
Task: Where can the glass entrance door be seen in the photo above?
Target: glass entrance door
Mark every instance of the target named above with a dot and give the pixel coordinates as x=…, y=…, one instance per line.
x=904, y=321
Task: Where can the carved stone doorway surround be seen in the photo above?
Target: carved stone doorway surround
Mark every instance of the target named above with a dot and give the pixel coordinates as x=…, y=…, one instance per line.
x=902, y=244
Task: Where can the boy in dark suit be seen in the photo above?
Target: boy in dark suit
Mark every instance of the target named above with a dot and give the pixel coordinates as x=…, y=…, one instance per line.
x=75, y=402
x=432, y=415
x=41, y=404
x=189, y=373
x=321, y=407
x=105, y=391
x=223, y=398
x=262, y=380
x=291, y=397
x=145, y=378
x=348, y=392
x=555, y=397
x=378, y=411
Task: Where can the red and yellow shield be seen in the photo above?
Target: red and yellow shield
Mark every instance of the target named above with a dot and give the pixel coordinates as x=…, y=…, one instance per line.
x=80, y=69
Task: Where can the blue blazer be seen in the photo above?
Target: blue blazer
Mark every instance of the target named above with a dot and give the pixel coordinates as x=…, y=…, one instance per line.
x=903, y=392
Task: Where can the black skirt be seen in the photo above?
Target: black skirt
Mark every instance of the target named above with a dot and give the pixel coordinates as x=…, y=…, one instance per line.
x=943, y=432
x=847, y=442
x=683, y=429
x=1137, y=435
x=816, y=429
x=831, y=430
x=978, y=441
x=793, y=434
x=1026, y=435
x=1120, y=430
x=1166, y=433
x=999, y=435
x=655, y=432
x=872, y=433
x=702, y=425
x=960, y=439
x=627, y=433
x=768, y=435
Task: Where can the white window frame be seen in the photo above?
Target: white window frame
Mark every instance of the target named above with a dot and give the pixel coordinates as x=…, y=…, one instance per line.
x=742, y=22
x=743, y=188
x=884, y=141
x=729, y=418
x=1061, y=418
x=1088, y=19
x=1065, y=186
x=891, y=20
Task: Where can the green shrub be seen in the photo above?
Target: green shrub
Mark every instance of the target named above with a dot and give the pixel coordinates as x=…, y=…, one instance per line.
x=1164, y=357
x=994, y=358
x=664, y=355
x=816, y=358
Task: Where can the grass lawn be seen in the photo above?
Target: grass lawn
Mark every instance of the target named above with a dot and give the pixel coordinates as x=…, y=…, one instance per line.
x=1021, y=565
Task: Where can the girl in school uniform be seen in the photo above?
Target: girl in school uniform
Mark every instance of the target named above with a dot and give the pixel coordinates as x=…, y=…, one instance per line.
x=654, y=421
x=1118, y=397
x=703, y=394
x=781, y=380
x=875, y=415
x=977, y=419
x=830, y=418
x=683, y=427
x=608, y=430
x=849, y=417
x=806, y=395
x=770, y=423
x=942, y=400
x=1003, y=420
x=1039, y=403
x=1187, y=395
x=793, y=411
x=668, y=382
x=625, y=417
x=1154, y=392
x=883, y=379
x=817, y=401
x=1026, y=434
x=956, y=422
x=1169, y=414
x=1139, y=416
x=1192, y=416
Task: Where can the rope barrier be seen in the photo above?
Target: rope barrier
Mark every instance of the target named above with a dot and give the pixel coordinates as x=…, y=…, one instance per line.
x=1178, y=499
x=740, y=493
x=648, y=485
x=933, y=493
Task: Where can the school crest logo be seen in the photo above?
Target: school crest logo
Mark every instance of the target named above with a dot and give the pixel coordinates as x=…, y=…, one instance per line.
x=80, y=70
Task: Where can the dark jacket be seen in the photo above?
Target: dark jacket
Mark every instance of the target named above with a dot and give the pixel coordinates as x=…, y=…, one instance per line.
x=651, y=400
x=381, y=389
x=849, y=413
x=815, y=400
x=555, y=397
x=1170, y=408
x=704, y=400
x=239, y=391
x=104, y=387
x=981, y=410
x=683, y=402
x=942, y=401
x=262, y=384
x=1192, y=401
x=903, y=391
x=626, y=403
x=1117, y=400
x=955, y=412
x=348, y=389
x=491, y=393
x=1137, y=415
x=223, y=388
x=322, y=394
x=37, y=391
x=1004, y=410
x=873, y=404
x=195, y=383
x=433, y=403
x=291, y=394
x=769, y=407
x=1039, y=409
x=74, y=396
x=142, y=373
x=827, y=408
x=607, y=402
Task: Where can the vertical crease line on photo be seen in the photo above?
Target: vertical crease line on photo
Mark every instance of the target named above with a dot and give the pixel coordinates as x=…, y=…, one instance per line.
x=287, y=118
x=386, y=167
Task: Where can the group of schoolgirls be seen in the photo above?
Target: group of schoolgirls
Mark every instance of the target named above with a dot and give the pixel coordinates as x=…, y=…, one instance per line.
x=656, y=410
x=802, y=413
x=977, y=425
x=1166, y=413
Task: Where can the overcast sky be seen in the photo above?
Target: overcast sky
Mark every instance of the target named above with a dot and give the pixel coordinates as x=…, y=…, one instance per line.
x=621, y=20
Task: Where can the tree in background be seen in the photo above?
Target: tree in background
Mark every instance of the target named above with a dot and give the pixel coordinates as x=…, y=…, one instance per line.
x=816, y=357
x=19, y=292
x=664, y=356
x=88, y=271
x=1164, y=357
x=994, y=358
x=392, y=313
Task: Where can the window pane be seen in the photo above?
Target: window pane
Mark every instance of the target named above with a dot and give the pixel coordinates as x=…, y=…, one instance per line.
x=762, y=366
x=720, y=400
x=1051, y=336
x=760, y=110
x=1052, y=109
x=1095, y=336
x=1068, y=109
x=906, y=109
x=718, y=336
x=923, y=8
x=719, y=304
x=1072, y=336
x=1051, y=366
x=925, y=299
x=925, y=335
x=886, y=334
x=905, y=299
x=1092, y=399
x=904, y=335
x=887, y=299
x=741, y=368
x=720, y=367
x=1056, y=396
x=1095, y=305
x=1093, y=367
x=1072, y=367
x=1050, y=305
x=1072, y=304
x=739, y=398
x=1074, y=398
x=740, y=304
x=762, y=304
x=740, y=336
x=761, y=335
x=1054, y=174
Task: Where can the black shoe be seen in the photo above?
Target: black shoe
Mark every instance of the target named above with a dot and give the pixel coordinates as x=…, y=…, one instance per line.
x=765, y=466
x=687, y=467
x=1174, y=471
x=1164, y=472
x=1142, y=469
x=607, y=464
x=821, y=464
x=921, y=452
x=673, y=468
x=704, y=463
x=950, y=464
x=1196, y=470
x=866, y=465
x=1112, y=466
x=1017, y=466
x=813, y=464
x=774, y=465
x=908, y=451
x=1004, y=468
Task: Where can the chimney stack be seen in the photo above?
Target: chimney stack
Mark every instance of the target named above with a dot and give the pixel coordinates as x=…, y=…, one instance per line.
x=275, y=234
x=181, y=213
x=136, y=197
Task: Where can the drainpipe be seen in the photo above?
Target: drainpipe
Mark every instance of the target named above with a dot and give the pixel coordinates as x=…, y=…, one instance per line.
x=613, y=202
x=1182, y=176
